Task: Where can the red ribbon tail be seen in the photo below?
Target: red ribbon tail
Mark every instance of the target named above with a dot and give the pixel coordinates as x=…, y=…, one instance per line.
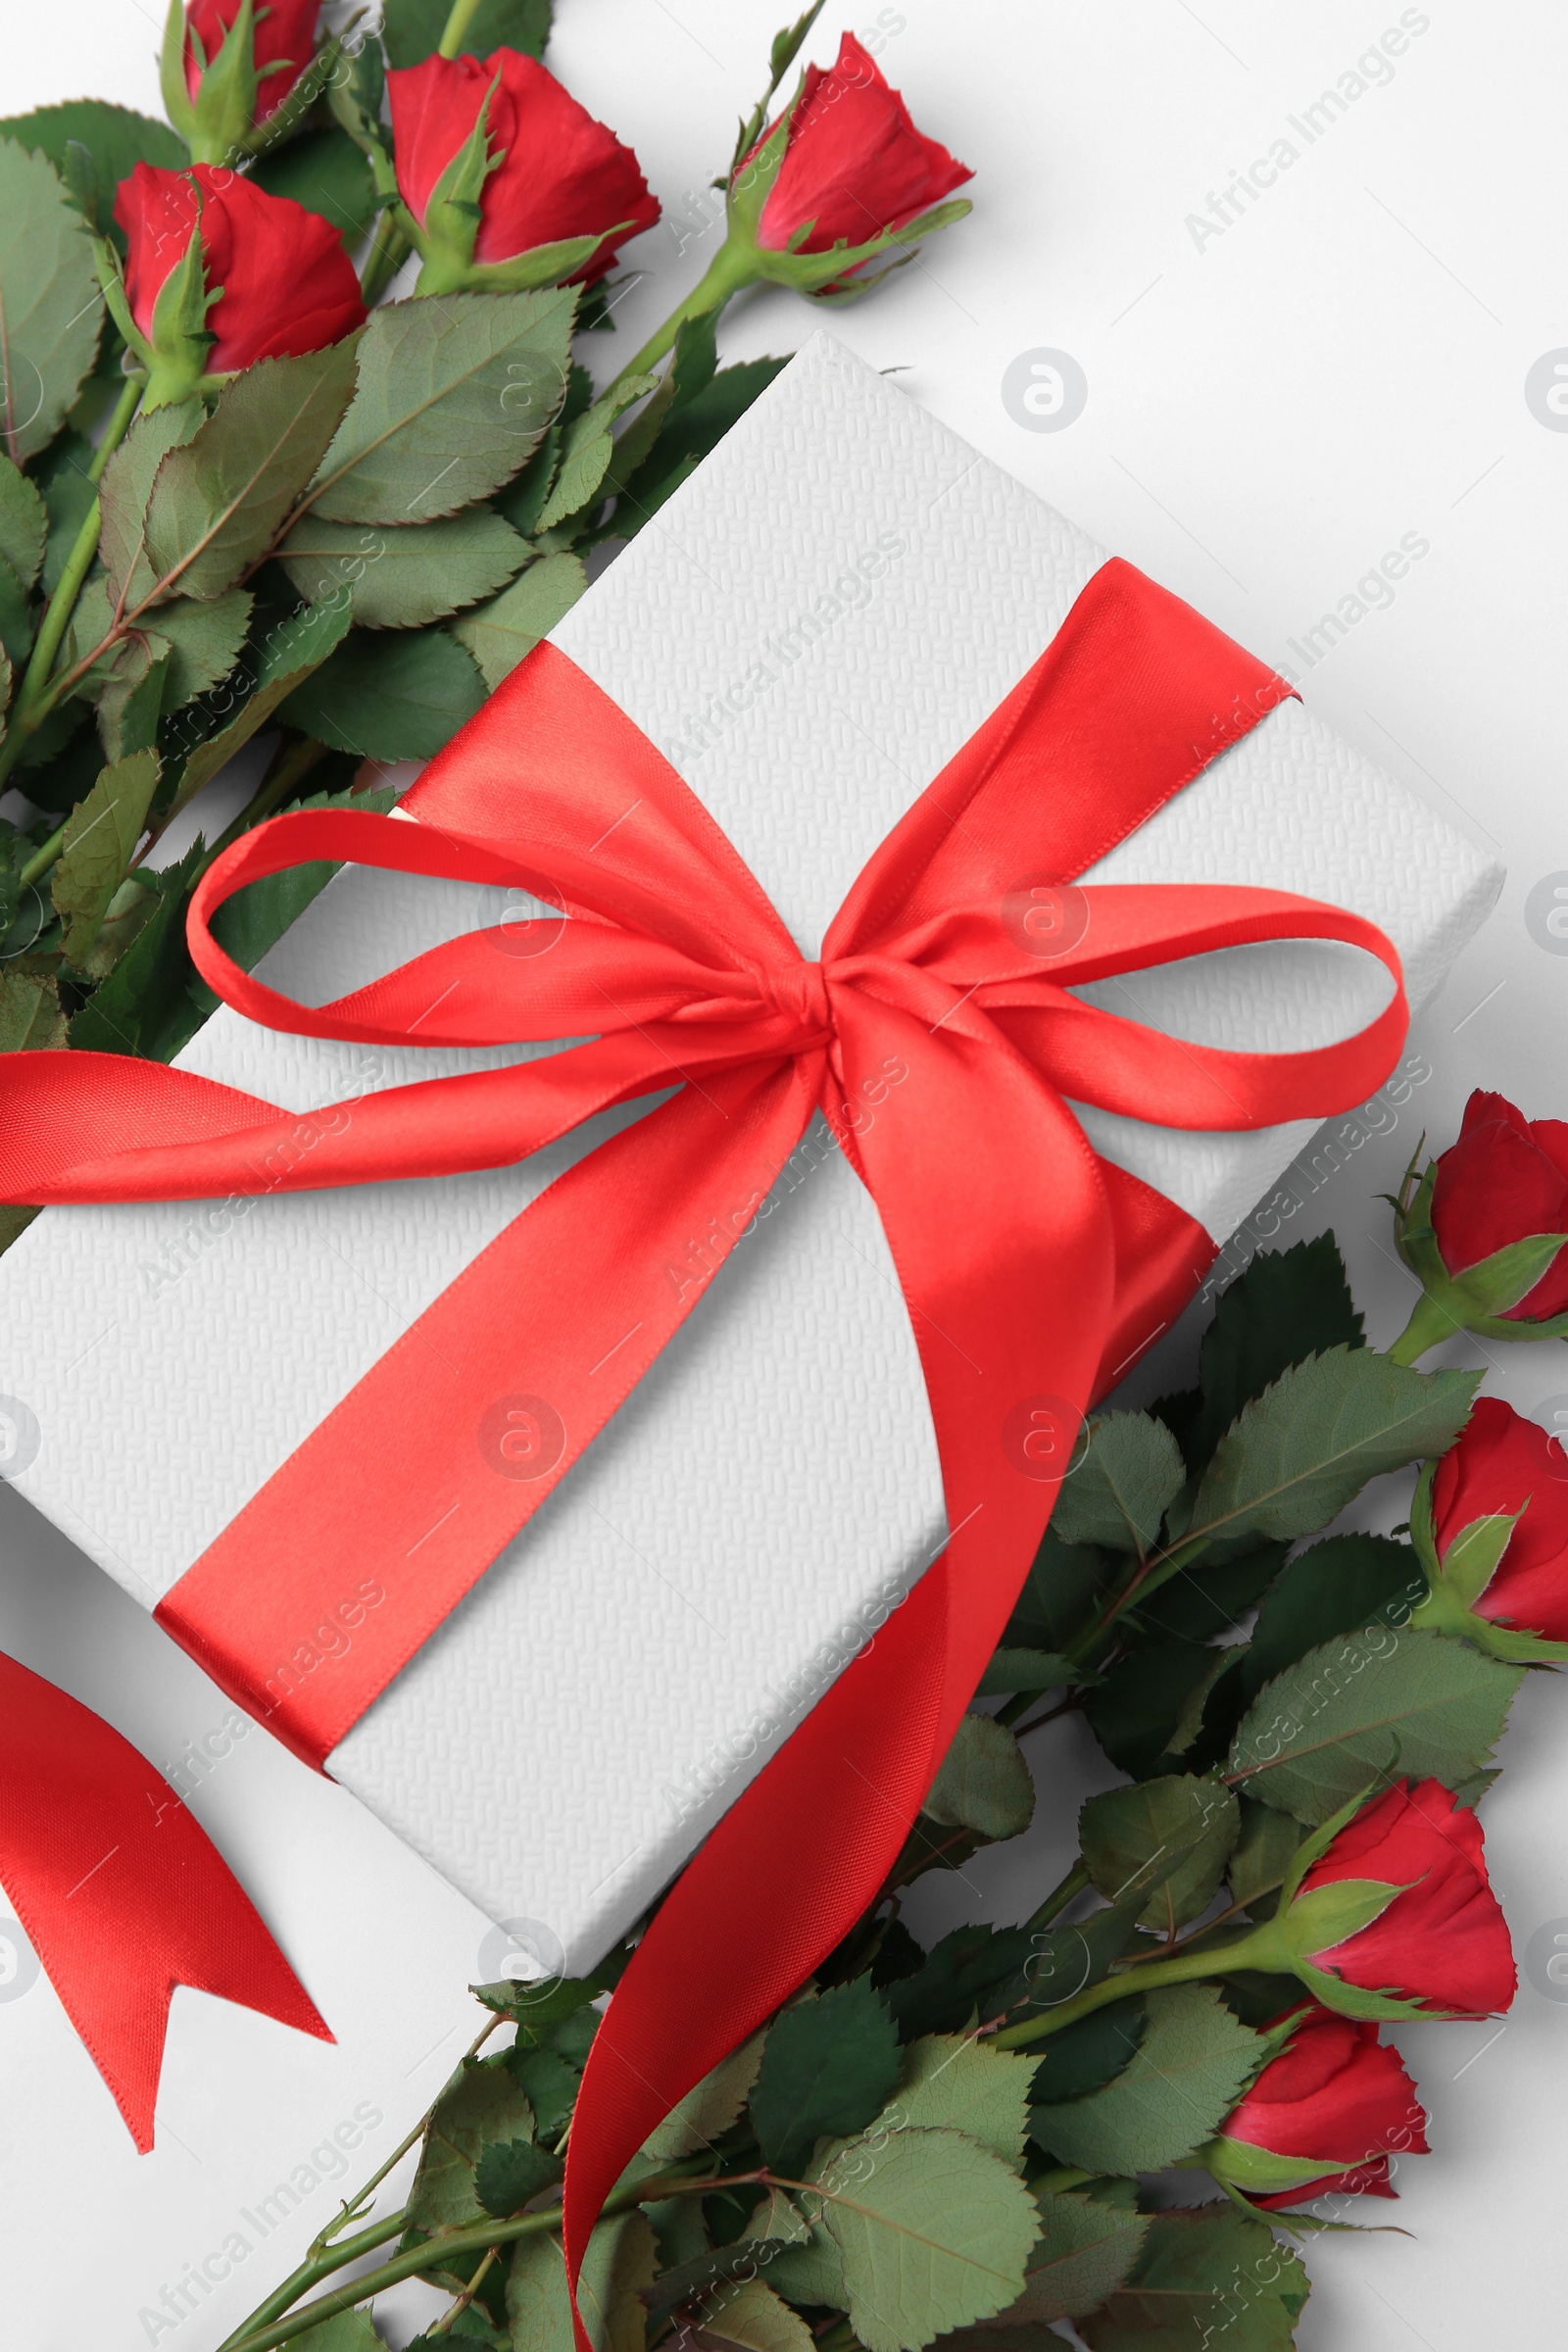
x=122, y=1894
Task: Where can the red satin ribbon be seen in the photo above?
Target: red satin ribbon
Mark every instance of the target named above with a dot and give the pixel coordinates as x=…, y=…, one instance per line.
x=1002, y=1225
x=122, y=1894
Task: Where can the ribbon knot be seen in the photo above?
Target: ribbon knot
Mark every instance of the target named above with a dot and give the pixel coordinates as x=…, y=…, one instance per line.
x=799, y=991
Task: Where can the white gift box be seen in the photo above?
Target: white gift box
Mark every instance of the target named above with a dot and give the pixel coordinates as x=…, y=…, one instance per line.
x=809, y=631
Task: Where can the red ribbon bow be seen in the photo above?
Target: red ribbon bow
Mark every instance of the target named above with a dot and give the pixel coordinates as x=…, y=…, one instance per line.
x=1029, y=1267
x=122, y=1894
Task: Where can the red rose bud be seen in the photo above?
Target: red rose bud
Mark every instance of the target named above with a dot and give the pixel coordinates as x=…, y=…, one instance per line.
x=230, y=65
x=1490, y=1524
x=854, y=167
x=1325, y=2117
x=1398, y=1910
x=1483, y=1229
x=507, y=181
x=219, y=273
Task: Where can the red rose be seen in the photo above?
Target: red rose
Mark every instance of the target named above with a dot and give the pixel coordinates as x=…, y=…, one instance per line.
x=1444, y=1939
x=1337, y=2095
x=855, y=165
x=560, y=173
x=1506, y=1464
x=1504, y=1179
x=284, y=39
x=289, y=285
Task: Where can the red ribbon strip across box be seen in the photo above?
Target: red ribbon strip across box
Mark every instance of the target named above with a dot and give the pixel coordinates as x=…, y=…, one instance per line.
x=954, y=990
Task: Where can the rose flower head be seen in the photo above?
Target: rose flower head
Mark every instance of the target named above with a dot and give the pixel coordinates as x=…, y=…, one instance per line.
x=506, y=179
x=1328, y=2115
x=1483, y=1229
x=230, y=65
x=1490, y=1525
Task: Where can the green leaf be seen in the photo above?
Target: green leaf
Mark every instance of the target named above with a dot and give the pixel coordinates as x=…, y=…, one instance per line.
x=130, y=909
x=748, y=2312
x=50, y=305
x=1298, y=1453
x=117, y=139
x=1286, y=1306
x=1014, y=1670
x=500, y=633
x=776, y=2217
x=984, y=1783
x=205, y=642
x=512, y=2171
x=1065, y=1586
x=551, y=2084
x=522, y=500
x=1206, y=2275
x=1407, y=1702
x=24, y=523
x=1173, y=1836
x=286, y=658
x=691, y=431
x=69, y=495
x=933, y=2233
x=30, y=1012
x=400, y=580
x=387, y=698
x=1136, y=1711
x=1195, y=2060
x=828, y=2066
x=1121, y=1484
x=709, y=2109
x=1334, y=1588
x=218, y=500
x=126, y=487
x=453, y=397
x=411, y=30
x=588, y=449
x=345, y=2331
x=1208, y=1596
x=97, y=846
x=146, y=1006
x=481, y=2106
x=326, y=171
x=1090, y=2053
x=16, y=624
x=622, y=2258
x=966, y=1970
x=1069, y=1958
x=132, y=698
x=1265, y=1850
x=952, y=2082
x=812, y=2274
x=1087, y=2248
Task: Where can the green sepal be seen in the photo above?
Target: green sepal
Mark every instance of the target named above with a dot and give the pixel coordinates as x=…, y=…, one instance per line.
x=1352, y=2001
x=181, y=339
x=117, y=302
x=445, y=238
x=225, y=109
x=1444, y=1612
x=1315, y=1847
x=1259, y=2172
x=1328, y=1916
x=1475, y=1556
x=171, y=72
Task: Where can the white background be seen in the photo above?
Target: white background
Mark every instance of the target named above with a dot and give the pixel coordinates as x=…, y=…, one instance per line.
x=1269, y=410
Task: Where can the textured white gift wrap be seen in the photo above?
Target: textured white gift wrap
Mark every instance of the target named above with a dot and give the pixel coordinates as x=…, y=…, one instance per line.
x=809, y=631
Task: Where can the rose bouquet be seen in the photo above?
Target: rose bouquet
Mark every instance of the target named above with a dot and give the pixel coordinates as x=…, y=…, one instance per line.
x=989, y=2140
x=249, y=510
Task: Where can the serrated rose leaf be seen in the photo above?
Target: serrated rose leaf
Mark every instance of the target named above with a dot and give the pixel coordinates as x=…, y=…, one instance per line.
x=708, y=2109
x=102, y=832
x=1374, y=1703
x=387, y=696
x=402, y=579
x=452, y=396
x=955, y=2083
x=827, y=2067
x=984, y=1783
x=50, y=305
x=219, y=499
x=499, y=635
x=1174, y=1835
x=933, y=2231
x=1122, y=1484
x=1194, y=2060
